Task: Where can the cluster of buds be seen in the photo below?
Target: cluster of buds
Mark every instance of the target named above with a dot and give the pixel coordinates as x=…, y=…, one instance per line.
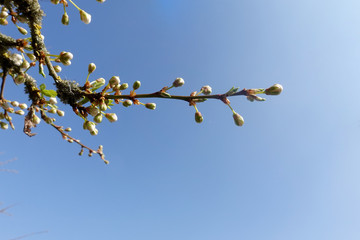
x=9, y=107
x=84, y=16
x=3, y=16
x=64, y=58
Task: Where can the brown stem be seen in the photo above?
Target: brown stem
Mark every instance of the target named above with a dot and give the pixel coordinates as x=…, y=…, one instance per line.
x=3, y=84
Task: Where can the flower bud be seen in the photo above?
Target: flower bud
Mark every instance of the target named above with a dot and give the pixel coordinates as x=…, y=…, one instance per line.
x=25, y=64
x=198, y=117
x=90, y=126
x=65, y=19
x=136, y=85
x=17, y=58
x=100, y=1
x=95, y=132
x=60, y=113
x=252, y=98
x=4, y=14
x=53, y=100
x=35, y=120
x=10, y=110
x=206, y=90
x=31, y=56
x=124, y=86
x=4, y=125
x=49, y=120
x=178, y=82
x=2, y=116
x=65, y=56
x=23, y=106
x=98, y=118
x=275, y=89
x=23, y=31
x=20, y=112
x=68, y=129
x=15, y=103
x=70, y=140
x=93, y=111
x=151, y=106
x=55, y=1
x=238, y=119
x=3, y=22
x=66, y=63
x=103, y=106
x=85, y=17
x=112, y=117
x=127, y=103
x=91, y=67
x=57, y=68
x=114, y=81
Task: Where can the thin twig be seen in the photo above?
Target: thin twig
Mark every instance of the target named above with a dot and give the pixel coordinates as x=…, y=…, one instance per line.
x=3, y=84
x=28, y=235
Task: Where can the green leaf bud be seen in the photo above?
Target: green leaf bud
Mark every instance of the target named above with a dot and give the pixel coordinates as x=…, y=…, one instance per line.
x=127, y=103
x=112, y=117
x=91, y=67
x=98, y=118
x=151, y=106
x=31, y=56
x=114, y=81
x=238, y=119
x=136, y=85
x=2, y=116
x=275, y=89
x=55, y=1
x=85, y=17
x=198, y=117
x=124, y=86
x=65, y=19
x=10, y=110
x=206, y=90
x=178, y=82
x=23, y=31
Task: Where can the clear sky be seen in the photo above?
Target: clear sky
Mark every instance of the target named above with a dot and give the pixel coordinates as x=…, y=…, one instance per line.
x=291, y=172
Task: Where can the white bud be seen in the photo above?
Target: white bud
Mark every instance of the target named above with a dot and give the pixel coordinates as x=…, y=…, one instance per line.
x=60, y=113
x=15, y=103
x=57, y=68
x=206, y=90
x=4, y=125
x=53, y=100
x=112, y=117
x=91, y=67
x=23, y=106
x=178, y=82
x=85, y=17
x=114, y=81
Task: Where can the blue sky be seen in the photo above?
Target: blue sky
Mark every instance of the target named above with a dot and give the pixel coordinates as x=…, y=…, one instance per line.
x=291, y=172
